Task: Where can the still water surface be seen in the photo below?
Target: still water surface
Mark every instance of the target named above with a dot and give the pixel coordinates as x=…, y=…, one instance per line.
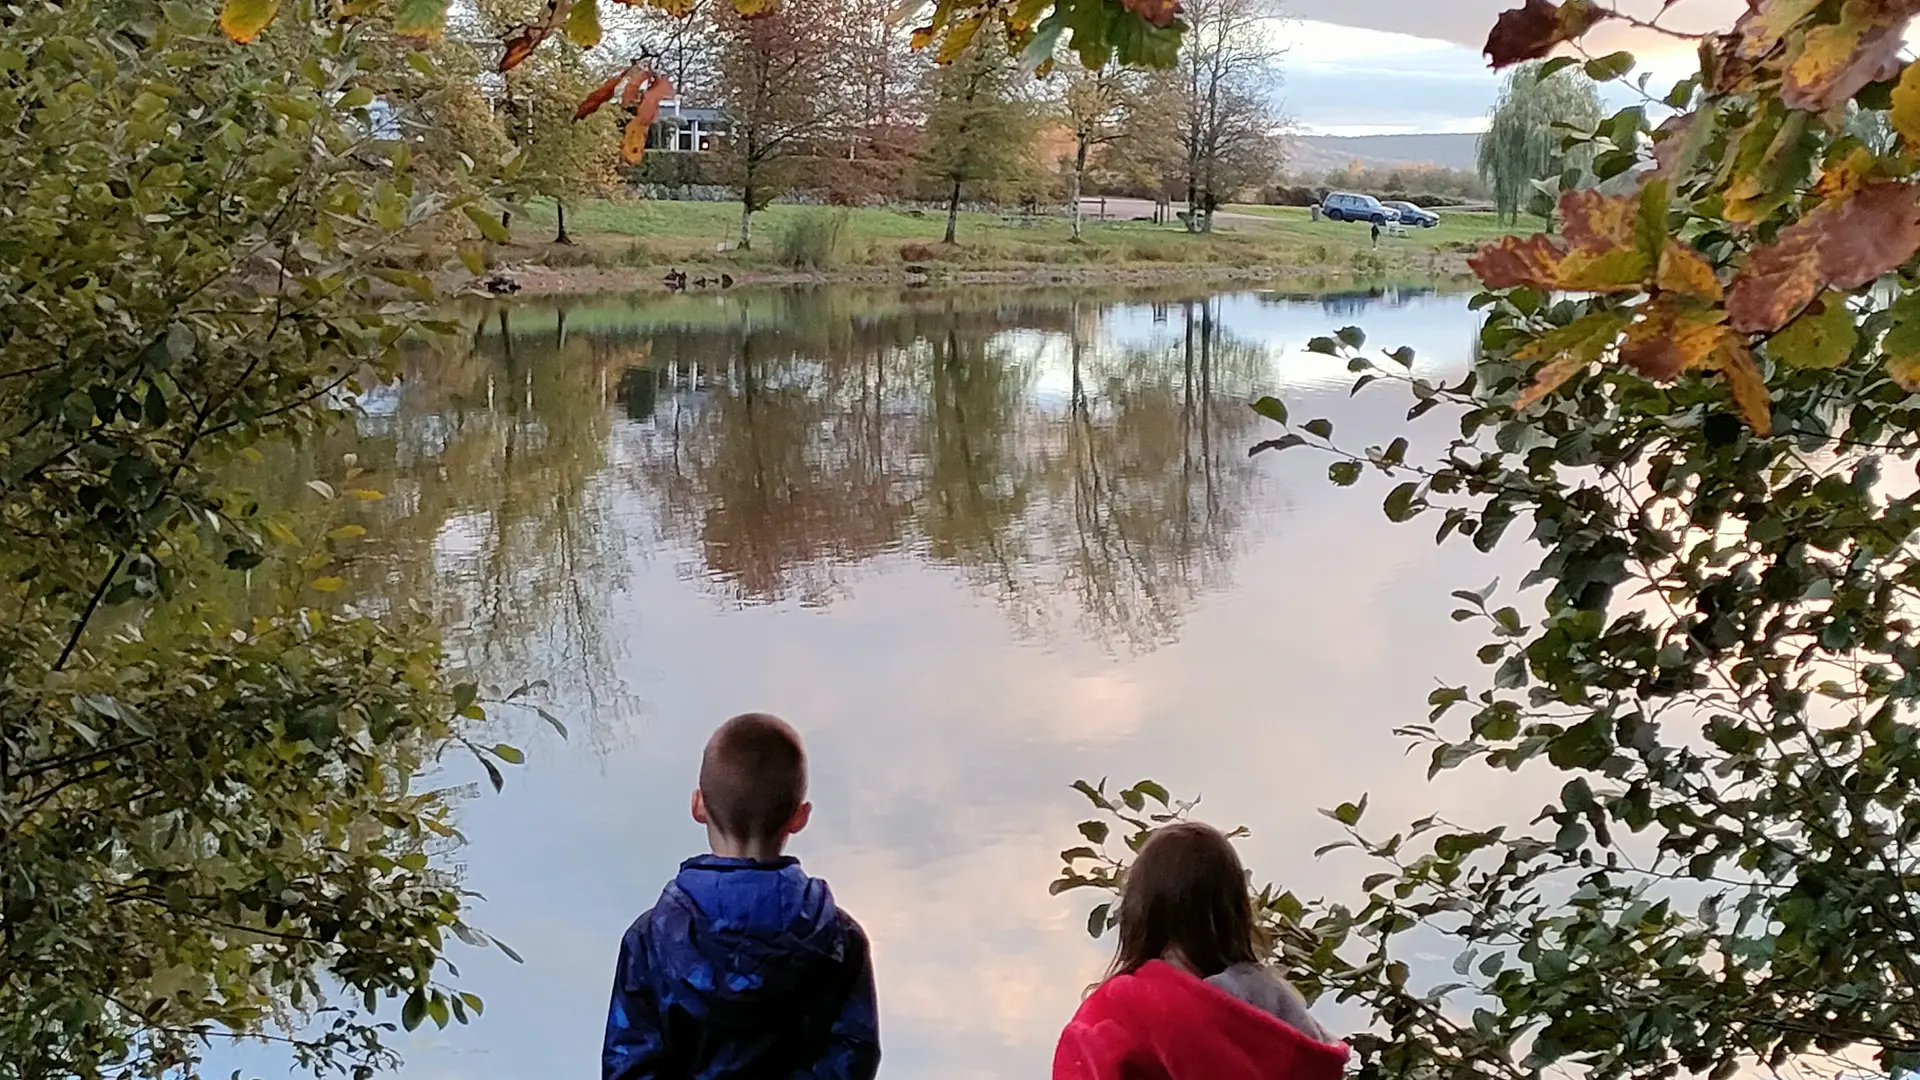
x=975, y=544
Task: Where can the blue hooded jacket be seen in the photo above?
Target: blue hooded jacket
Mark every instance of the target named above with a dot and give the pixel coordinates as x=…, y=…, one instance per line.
x=743, y=969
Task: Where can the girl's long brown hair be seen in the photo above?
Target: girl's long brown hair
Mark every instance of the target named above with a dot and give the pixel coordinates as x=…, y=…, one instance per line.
x=1187, y=893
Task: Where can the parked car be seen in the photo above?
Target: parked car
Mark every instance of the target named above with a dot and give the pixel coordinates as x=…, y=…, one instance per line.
x=1346, y=206
x=1414, y=215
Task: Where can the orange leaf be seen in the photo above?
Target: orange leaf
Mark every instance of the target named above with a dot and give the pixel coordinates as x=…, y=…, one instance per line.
x=1518, y=260
x=1531, y=31
x=1735, y=364
x=1158, y=12
x=1869, y=234
x=922, y=37
x=633, y=143
x=528, y=37
x=1670, y=337
x=1905, y=370
x=753, y=9
x=1682, y=270
x=600, y=96
x=1835, y=61
x=1846, y=243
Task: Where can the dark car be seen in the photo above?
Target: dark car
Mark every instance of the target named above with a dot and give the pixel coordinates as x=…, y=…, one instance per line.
x=1346, y=206
x=1414, y=215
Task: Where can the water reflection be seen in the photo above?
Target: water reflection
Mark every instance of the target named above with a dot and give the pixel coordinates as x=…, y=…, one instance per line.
x=976, y=544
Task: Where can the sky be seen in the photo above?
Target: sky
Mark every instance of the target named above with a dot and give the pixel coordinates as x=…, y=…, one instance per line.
x=1368, y=67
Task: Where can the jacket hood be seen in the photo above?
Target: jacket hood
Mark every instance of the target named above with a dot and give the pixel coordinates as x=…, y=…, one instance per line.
x=734, y=939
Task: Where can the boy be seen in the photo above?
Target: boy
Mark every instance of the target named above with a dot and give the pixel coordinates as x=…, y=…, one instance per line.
x=744, y=968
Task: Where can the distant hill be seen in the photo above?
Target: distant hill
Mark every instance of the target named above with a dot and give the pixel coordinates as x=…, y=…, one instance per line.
x=1318, y=153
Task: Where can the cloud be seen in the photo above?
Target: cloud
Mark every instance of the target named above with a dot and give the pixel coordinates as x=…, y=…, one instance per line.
x=1338, y=78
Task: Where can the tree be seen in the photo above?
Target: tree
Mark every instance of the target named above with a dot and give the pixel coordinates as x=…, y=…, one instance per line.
x=210, y=815
x=1095, y=105
x=1231, y=130
x=775, y=73
x=1701, y=396
x=1147, y=155
x=978, y=132
x=564, y=158
x=1526, y=140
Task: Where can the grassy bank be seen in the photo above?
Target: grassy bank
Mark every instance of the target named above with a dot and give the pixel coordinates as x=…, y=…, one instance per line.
x=631, y=243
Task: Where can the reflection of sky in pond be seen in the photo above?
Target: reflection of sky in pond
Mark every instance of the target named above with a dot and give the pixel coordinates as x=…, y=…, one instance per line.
x=946, y=709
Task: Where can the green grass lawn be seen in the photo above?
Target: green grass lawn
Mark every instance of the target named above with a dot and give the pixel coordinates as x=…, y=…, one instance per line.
x=650, y=234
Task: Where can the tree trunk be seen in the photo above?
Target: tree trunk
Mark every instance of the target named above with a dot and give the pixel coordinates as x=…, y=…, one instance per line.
x=506, y=217
x=1193, y=201
x=561, y=236
x=1079, y=171
x=746, y=219
x=953, y=213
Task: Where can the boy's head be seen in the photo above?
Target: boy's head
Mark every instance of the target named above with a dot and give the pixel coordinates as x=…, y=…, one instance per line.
x=753, y=786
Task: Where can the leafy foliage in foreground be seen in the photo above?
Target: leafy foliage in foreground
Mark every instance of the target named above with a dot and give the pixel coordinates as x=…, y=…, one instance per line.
x=1721, y=677
x=209, y=814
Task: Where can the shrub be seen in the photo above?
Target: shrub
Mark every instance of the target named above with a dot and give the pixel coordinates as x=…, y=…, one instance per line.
x=814, y=240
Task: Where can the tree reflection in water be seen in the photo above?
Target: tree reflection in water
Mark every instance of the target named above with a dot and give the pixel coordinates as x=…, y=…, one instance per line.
x=775, y=443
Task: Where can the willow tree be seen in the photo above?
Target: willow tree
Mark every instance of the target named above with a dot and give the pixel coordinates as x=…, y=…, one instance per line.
x=1526, y=139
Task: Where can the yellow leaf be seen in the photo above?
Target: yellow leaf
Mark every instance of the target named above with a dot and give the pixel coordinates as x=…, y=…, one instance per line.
x=473, y=259
x=1905, y=370
x=281, y=533
x=366, y=495
x=1905, y=114
x=243, y=19
x=583, y=23
x=348, y=532
x=959, y=36
x=1549, y=378
x=1682, y=270
x=1671, y=336
x=1735, y=364
x=329, y=584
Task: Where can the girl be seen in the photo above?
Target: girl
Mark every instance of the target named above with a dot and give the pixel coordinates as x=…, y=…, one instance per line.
x=1186, y=997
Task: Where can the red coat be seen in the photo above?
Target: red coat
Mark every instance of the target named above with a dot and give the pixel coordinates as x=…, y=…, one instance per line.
x=1161, y=1023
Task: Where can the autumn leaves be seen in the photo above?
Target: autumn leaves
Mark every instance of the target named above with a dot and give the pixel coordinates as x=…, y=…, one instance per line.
x=1758, y=187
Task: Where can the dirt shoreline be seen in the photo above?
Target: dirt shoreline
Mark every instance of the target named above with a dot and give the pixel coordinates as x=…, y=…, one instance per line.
x=535, y=279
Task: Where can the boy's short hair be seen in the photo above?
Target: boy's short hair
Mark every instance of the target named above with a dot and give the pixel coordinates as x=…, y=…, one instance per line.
x=753, y=776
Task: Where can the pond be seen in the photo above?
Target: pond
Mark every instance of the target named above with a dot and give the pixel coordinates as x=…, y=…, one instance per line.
x=975, y=544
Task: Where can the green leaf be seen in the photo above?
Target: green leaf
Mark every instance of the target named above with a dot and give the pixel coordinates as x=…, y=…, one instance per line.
x=1324, y=345
x=420, y=18
x=489, y=225
x=1153, y=791
x=1344, y=473
x=583, y=23
x=1097, y=920
x=1319, y=428
x=1272, y=408
x=509, y=754
x=1351, y=336
x=1399, y=504
x=357, y=98
x=1349, y=813
x=553, y=721
x=1610, y=66
x=464, y=695
x=414, y=1011
x=1095, y=831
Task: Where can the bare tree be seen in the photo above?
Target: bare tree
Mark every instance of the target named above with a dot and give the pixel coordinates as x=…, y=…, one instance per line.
x=1228, y=67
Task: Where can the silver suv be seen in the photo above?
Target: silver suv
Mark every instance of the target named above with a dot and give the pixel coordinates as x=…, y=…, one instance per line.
x=1346, y=206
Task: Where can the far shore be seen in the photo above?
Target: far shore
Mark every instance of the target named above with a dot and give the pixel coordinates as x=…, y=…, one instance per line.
x=640, y=245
